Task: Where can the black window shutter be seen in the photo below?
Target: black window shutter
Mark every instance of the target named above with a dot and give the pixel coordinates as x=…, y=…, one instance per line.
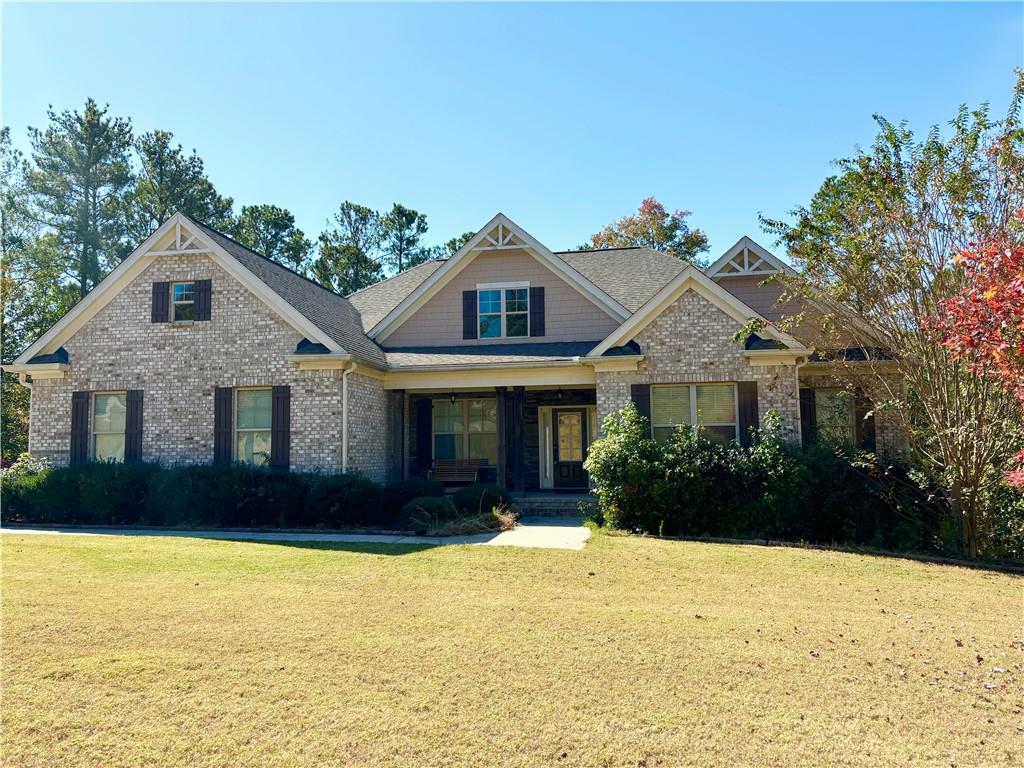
x=133, y=426
x=203, y=292
x=865, y=423
x=808, y=416
x=469, y=329
x=161, y=303
x=746, y=392
x=281, y=427
x=79, y=427
x=222, y=426
x=424, y=435
x=640, y=394
x=537, y=311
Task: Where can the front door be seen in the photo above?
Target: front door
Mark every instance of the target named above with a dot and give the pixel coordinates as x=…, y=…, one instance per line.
x=570, y=447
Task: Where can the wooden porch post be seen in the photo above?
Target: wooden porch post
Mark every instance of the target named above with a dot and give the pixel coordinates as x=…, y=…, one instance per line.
x=398, y=434
x=502, y=436
x=518, y=438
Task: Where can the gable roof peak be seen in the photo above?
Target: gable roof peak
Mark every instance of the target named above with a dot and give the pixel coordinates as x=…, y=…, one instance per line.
x=747, y=257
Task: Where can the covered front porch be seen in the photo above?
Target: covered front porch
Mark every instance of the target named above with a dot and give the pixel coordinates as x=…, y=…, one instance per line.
x=528, y=439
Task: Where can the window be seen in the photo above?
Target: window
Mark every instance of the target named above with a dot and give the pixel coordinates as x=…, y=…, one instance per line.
x=108, y=422
x=711, y=406
x=183, y=302
x=834, y=414
x=466, y=429
x=252, y=425
x=503, y=311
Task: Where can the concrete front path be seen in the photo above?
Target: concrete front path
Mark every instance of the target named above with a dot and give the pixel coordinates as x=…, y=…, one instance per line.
x=536, y=532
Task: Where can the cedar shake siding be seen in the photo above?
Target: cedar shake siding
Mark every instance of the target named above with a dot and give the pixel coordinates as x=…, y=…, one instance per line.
x=179, y=367
x=569, y=315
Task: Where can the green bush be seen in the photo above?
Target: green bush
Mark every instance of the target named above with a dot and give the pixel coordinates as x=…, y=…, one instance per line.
x=428, y=513
x=692, y=486
x=349, y=499
x=479, y=498
x=396, y=495
x=113, y=493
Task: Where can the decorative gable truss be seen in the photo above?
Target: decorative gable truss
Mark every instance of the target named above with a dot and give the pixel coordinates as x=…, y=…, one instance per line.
x=177, y=236
x=499, y=234
x=747, y=258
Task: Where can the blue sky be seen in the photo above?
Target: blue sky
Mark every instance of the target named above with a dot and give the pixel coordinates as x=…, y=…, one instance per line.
x=562, y=116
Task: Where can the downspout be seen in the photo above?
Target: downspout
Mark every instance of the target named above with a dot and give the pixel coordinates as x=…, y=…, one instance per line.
x=799, y=409
x=23, y=380
x=344, y=416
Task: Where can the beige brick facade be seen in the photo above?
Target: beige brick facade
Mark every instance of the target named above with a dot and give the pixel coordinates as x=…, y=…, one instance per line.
x=178, y=367
x=691, y=342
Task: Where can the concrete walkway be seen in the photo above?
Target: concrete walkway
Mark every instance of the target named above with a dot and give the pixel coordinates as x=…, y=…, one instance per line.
x=534, y=532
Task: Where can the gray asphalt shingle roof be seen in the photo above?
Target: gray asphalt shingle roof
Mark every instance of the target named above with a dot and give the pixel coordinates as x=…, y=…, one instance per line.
x=375, y=301
x=631, y=276
x=328, y=311
x=490, y=354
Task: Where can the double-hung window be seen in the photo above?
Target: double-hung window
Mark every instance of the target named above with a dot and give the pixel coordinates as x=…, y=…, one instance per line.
x=109, y=411
x=466, y=429
x=253, y=415
x=183, y=302
x=503, y=311
x=710, y=406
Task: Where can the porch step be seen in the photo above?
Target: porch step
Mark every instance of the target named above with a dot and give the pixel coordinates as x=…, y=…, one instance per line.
x=552, y=504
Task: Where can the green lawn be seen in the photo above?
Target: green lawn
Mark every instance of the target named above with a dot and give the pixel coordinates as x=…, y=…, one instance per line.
x=146, y=651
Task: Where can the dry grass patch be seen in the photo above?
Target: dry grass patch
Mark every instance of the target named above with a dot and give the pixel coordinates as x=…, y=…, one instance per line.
x=144, y=651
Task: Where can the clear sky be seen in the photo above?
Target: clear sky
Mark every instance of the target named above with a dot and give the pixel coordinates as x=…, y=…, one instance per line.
x=562, y=116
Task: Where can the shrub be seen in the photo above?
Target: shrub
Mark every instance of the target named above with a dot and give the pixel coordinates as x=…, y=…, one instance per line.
x=396, y=495
x=428, y=513
x=499, y=518
x=478, y=498
x=345, y=500
x=113, y=493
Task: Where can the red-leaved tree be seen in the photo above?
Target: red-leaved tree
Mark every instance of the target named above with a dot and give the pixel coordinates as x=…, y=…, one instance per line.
x=984, y=323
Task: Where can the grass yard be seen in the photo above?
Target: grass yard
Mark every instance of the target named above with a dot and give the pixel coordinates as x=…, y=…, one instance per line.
x=147, y=651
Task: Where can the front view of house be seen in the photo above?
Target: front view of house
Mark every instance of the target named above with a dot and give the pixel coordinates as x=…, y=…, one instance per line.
x=505, y=357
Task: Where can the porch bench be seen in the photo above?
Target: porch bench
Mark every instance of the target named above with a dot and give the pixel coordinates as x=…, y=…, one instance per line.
x=450, y=471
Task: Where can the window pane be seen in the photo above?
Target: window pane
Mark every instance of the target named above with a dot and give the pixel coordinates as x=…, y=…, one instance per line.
x=570, y=436
x=484, y=446
x=517, y=299
x=254, y=447
x=716, y=404
x=109, y=447
x=183, y=291
x=184, y=312
x=490, y=326
x=663, y=434
x=253, y=409
x=108, y=413
x=448, y=446
x=483, y=416
x=719, y=434
x=670, y=405
x=447, y=416
x=834, y=412
x=490, y=302
x=515, y=325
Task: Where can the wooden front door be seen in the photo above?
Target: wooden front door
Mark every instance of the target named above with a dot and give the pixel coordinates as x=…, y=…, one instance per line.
x=570, y=447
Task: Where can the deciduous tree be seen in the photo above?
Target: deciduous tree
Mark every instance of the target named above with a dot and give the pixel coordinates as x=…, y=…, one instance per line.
x=652, y=225
x=878, y=247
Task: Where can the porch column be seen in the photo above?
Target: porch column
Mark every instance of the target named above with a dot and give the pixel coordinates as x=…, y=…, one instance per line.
x=499, y=393
x=517, y=433
x=397, y=403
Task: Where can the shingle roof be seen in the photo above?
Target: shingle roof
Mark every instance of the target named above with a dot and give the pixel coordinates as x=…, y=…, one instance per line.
x=328, y=311
x=491, y=354
x=375, y=301
x=631, y=276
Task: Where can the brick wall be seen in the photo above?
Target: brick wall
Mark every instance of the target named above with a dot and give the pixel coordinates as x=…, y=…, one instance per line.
x=178, y=368
x=691, y=342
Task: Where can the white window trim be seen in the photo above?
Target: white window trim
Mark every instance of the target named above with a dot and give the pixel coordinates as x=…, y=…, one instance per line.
x=174, y=304
x=234, y=422
x=464, y=401
x=545, y=436
x=693, y=406
x=92, y=421
x=502, y=287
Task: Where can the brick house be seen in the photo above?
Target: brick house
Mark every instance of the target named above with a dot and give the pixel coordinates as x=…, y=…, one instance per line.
x=507, y=355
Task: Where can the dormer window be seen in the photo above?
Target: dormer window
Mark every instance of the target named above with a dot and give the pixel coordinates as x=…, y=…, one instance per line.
x=503, y=310
x=183, y=302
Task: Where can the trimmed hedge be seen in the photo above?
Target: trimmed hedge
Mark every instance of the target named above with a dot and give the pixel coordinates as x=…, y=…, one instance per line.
x=200, y=495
